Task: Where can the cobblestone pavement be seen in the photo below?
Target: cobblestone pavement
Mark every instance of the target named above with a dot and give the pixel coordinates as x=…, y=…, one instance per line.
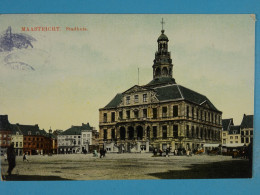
x=123, y=166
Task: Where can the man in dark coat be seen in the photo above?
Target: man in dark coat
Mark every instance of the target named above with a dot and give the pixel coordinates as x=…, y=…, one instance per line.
x=11, y=158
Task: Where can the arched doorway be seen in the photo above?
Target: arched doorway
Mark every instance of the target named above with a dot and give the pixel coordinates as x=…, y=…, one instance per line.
x=139, y=130
x=122, y=133
x=130, y=133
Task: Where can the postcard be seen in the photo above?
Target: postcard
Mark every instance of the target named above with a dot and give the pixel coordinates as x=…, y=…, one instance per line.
x=126, y=96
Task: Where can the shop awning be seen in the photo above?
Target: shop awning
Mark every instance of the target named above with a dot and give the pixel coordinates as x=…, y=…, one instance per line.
x=233, y=145
x=211, y=145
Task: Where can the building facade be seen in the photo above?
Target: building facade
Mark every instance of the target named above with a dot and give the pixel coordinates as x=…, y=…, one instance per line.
x=76, y=139
x=247, y=129
x=161, y=114
x=5, y=133
x=17, y=140
x=35, y=140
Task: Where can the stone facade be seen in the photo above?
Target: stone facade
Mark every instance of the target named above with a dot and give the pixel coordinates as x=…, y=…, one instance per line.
x=161, y=114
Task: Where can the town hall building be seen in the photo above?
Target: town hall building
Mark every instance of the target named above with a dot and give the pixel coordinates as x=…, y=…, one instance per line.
x=161, y=114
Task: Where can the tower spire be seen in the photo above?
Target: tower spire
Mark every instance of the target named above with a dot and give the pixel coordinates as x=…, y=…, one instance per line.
x=162, y=66
x=162, y=22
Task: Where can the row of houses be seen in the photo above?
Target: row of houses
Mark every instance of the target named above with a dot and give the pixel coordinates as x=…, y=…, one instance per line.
x=237, y=135
x=32, y=140
x=81, y=139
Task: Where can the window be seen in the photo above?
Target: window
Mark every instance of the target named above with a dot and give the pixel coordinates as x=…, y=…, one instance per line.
x=128, y=114
x=251, y=139
x=21, y=144
x=113, y=134
x=187, y=131
x=4, y=135
x=251, y=132
x=120, y=115
x=164, y=131
x=242, y=140
x=154, y=113
x=197, y=114
x=231, y=142
x=224, y=141
x=164, y=111
x=136, y=98
x=192, y=132
x=16, y=144
x=192, y=112
x=242, y=132
x=24, y=138
x=78, y=142
x=201, y=114
x=175, y=111
x=187, y=112
x=144, y=97
x=136, y=113
x=224, y=134
x=84, y=135
x=128, y=100
x=236, y=137
x=105, y=134
x=175, y=131
x=113, y=117
x=231, y=137
x=29, y=132
x=154, y=131
x=236, y=142
x=105, y=117
x=145, y=113
x=78, y=136
x=247, y=132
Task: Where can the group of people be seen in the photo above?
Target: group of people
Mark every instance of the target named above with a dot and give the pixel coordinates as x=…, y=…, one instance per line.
x=102, y=153
x=176, y=152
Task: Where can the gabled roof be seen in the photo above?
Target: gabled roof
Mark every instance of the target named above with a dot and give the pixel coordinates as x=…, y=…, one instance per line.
x=226, y=123
x=31, y=129
x=170, y=92
x=247, y=121
x=234, y=129
x=161, y=81
x=115, y=101
x=76, y=130
x=16, y=129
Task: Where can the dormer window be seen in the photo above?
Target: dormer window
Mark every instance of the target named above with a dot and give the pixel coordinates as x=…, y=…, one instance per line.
x=17, y=133
x=37, y=133
x=136, y=98
x=144, y=97
x=29, y=133
x=128, y=100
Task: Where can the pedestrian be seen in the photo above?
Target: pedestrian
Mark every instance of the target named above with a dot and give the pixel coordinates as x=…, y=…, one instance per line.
x=5, y=156
x=11, y=158
x=160, y=151
x=25, y=157
x=167, y=152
